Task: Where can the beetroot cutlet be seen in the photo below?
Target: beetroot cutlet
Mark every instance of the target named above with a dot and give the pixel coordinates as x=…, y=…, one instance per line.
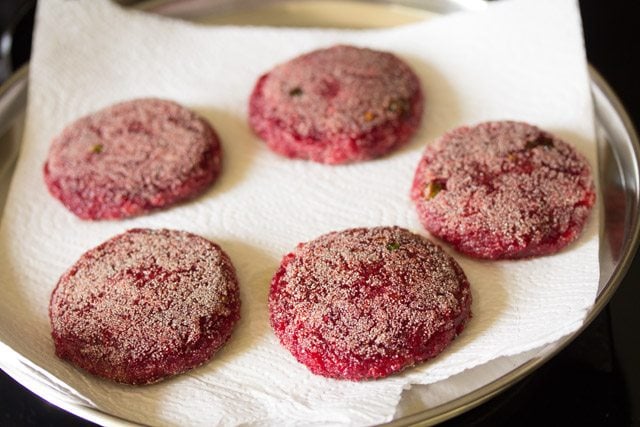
x=337, y=105
x=503, y=190
x=367, y=302
x=131, y=158
x=145, y=305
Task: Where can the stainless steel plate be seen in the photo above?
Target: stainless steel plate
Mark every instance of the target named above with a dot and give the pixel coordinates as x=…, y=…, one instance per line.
x=619, y=160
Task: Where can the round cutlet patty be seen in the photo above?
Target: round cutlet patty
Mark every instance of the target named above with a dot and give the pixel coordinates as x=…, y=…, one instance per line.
x=131, y=158
x=337, y=105
x=503, y=190
x=145, y=305
x=367, y=302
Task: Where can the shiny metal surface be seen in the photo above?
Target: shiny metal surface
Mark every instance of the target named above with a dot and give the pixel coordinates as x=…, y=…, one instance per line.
x=300, y=13
x=619, y=157
x=13, y=101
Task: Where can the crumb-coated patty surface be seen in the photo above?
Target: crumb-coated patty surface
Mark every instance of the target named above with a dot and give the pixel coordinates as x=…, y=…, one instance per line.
x=337, y=105
x=367, y=302
x=145, y=305
x=503, y=190
x=132, y=157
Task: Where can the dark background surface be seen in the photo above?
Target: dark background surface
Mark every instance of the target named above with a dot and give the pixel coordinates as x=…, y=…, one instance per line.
x=594, y=381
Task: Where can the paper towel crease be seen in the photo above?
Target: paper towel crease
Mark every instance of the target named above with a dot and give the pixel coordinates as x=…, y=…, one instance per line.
x=521, y=60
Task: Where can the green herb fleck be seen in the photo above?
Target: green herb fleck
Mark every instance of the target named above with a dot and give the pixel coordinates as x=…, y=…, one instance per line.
x=393, y=246
x=400, y=106
x=97, y=149
x=432, y=189
x=296, y=91
x=541, y=141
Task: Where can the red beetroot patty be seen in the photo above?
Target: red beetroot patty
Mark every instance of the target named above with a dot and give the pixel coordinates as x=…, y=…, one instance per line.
x=503, y=190
x=337, y=105
x=131, y=158
x=367, y=302
x=145, y=305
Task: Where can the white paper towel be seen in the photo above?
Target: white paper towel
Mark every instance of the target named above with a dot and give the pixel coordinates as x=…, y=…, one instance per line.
x=521, y=60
